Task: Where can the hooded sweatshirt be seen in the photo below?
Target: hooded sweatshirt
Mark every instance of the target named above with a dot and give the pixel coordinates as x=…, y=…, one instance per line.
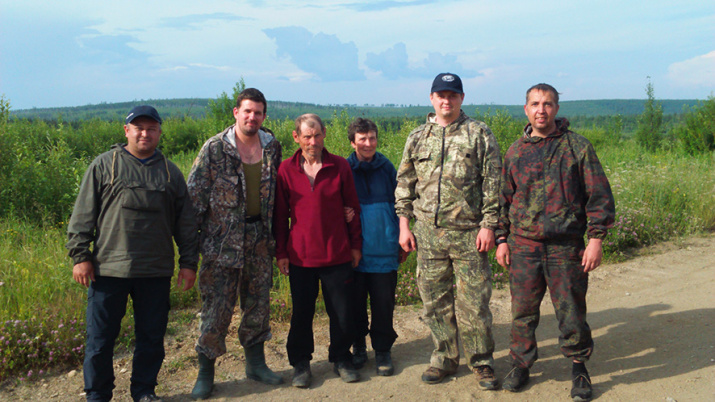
x=130, y=211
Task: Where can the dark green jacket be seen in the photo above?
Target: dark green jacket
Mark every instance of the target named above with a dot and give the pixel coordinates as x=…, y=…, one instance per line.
x=130, y=212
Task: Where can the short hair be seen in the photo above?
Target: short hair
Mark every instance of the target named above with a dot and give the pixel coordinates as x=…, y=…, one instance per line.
x=254, y=95
x=311, y=119
x=361, y=125
x=545, y=88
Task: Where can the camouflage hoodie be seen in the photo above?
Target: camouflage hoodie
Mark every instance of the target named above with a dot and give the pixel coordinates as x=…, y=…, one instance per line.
x=554, y=188
x=450, y=176
x=217, y=188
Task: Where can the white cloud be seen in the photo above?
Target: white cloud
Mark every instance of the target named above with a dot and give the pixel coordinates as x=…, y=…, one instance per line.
x=698, y=71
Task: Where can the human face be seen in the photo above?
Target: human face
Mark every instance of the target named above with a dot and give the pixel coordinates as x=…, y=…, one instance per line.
x=447, y=105
x=365, y=145
x=249, y=117
x=142, y=136
x=311, y=141
x=541, y=110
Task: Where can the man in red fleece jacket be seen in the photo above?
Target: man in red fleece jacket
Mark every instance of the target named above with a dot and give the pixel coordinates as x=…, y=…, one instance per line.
x=313, y=188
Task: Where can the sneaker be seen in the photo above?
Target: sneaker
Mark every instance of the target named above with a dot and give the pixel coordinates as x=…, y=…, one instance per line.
x=150, y=398
x=581, y=389
x=346, y=371
x=516, y=379
x=383, y=364
x=302, y=375
x=359, y=354
x=433, y=375
x=486, y=378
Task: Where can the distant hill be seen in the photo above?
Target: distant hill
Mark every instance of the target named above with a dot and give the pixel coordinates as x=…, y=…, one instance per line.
x=196, y=108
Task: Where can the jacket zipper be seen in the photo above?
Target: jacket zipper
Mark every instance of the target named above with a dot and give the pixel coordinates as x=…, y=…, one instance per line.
x=439, y=182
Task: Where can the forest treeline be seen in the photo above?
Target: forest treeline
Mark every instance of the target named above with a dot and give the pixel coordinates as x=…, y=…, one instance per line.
x=196, y=108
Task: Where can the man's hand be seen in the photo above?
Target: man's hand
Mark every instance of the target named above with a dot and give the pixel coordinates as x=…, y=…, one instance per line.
x=187, y=277
x=402, y=255
x=83, y=273
x=407, y=239
x=592, y=255
x=349, y=214
x=357, y=255
x=503, y=256
x=485, y=240
x=283, y=265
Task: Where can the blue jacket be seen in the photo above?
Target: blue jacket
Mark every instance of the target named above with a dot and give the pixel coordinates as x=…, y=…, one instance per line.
x=375, y=183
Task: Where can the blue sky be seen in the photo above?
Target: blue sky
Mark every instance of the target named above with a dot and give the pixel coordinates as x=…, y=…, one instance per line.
x=73, y=53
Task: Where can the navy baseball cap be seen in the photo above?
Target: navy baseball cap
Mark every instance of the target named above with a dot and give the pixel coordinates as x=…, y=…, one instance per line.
x=447, y=82
x=144, y=110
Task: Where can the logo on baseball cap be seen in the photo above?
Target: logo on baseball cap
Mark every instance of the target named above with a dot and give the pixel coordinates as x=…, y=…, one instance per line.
x=144, y=110
x=447, y=82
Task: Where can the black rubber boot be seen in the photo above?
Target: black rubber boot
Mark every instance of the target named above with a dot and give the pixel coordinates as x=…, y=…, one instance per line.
x=256, y=368
x=205, y=380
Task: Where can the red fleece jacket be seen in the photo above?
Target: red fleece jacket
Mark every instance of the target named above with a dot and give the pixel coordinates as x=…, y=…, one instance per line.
x=318, y=235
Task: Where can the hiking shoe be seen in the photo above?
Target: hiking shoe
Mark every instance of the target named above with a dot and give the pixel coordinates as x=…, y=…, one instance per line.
x=581, y=383
x=516, y=379
x=383, y=364
x=433, y=375
x=486, y=378
x=302, y=375
x=346, y=371
x=359, y=353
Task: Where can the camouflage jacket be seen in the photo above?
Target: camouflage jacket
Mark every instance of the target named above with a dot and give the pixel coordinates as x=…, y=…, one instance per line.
x=217, y=188
x=554, y=188
x=450, y=176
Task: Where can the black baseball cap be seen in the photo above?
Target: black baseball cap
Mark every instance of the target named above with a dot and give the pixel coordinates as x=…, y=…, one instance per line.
x=144, y=110
x=447, y=82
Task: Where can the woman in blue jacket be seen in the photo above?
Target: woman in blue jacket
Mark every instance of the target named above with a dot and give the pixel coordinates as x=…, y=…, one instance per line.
x=376, y=275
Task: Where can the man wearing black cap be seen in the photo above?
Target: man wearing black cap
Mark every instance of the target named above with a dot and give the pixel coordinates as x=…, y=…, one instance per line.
x=448, y=182
x=132, y=202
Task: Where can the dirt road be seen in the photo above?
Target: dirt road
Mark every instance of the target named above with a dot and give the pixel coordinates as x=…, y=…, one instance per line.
x=653, y=321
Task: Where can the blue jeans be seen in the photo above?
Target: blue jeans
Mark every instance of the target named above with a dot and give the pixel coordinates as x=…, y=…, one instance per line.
x=106, y=305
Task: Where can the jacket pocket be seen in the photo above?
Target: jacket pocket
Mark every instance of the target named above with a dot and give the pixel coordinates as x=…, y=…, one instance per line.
x=226, y=192
x=140, y=196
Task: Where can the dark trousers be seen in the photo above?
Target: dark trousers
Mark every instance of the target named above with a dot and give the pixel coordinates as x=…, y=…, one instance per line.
x=106, y=306
x=338, y=293
x=536, y=266
x=381, y=289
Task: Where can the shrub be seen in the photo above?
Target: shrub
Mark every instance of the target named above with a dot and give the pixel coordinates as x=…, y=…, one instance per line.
x=697, y=132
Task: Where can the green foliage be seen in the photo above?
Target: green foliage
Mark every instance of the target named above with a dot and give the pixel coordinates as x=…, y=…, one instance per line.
x=4, y=111
x=505, y=127
x=697, y=132
x=219, y=111
x=649, y=131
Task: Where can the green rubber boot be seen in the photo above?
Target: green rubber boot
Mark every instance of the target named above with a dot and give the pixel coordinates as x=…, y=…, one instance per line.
x=256, y=368
x=205, y=380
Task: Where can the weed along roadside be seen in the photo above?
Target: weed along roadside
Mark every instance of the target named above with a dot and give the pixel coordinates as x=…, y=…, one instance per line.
x=661, y=193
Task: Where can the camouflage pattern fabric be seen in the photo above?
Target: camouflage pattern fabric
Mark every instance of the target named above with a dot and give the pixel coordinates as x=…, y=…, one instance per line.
x=450, y=176
x=443, y=255
x=217, y=188
x=534, y=267
x=221, y=287
x=555, y=188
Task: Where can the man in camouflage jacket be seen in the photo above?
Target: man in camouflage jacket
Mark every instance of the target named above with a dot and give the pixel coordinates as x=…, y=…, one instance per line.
x=448, y=182
x=232, y=185
x=554, y=191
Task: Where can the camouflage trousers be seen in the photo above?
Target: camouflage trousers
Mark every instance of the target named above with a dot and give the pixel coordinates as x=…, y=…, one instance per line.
x=222, y=286
x=442, y=256
x=534, y=267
